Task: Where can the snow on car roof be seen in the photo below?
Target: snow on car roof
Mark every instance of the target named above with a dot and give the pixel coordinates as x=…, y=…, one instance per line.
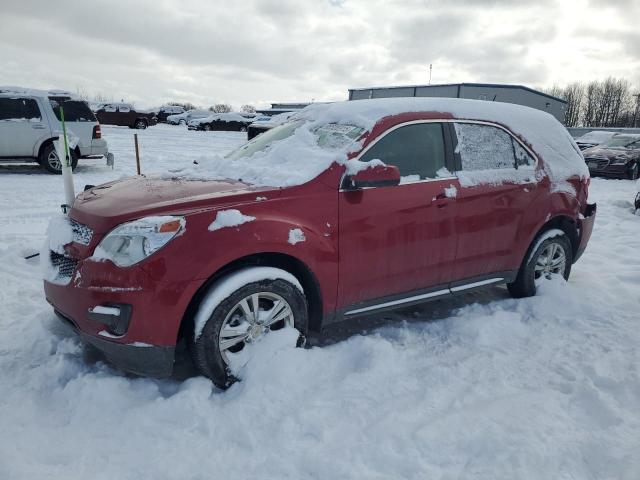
x=33, y=92
x=595, y=136
x=280, y=164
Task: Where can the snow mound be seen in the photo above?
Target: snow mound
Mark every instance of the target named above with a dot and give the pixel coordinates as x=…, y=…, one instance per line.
x=229, y=218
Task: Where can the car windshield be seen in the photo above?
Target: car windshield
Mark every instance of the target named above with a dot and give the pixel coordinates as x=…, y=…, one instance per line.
x=74, y=110
x=623, y=142
x=329, y=136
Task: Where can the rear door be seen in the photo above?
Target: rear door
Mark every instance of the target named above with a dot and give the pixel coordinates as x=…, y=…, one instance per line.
x=496, y=187
x=22, y=126
x=398, y=239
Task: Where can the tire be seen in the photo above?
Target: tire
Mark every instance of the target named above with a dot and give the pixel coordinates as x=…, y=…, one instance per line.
x=243, y=129
x=634, y=172
x=50, y=161
x=206, y=127
x=140, y=124
x=207, y=351
x=535, y=269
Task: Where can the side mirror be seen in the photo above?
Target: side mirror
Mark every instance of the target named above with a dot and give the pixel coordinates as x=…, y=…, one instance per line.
x=375, y=176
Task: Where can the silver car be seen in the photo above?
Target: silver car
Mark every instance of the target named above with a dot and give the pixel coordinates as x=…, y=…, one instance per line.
x=30, y=122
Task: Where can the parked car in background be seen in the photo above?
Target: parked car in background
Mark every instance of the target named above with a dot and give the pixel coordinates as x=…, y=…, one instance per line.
x=125, y=115
x=167, y=110
x=184, y=118
x=618, y=157
x=352, y=209
x=591, y=139
x=263, y=123
x=235, y=122
x=30, y=122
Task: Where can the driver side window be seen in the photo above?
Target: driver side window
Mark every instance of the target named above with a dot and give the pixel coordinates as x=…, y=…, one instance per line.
x=417, y=150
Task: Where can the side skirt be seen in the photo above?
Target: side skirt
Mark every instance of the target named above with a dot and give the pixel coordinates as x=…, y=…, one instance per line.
x=417, y=297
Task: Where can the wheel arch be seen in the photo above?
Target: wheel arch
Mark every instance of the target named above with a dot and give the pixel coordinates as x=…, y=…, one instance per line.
x=286, y=262
x=564, y=223
x=50, y=141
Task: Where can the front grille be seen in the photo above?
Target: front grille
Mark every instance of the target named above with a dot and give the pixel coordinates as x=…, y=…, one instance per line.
x=81, y=233
x=65, y=265
x=597, y=163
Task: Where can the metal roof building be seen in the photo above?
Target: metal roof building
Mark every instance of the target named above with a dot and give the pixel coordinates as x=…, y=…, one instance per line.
x=492, y=92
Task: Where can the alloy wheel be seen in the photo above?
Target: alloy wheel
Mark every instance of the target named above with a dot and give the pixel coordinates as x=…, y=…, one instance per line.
x=54, y=161
x=250, y=319
x=552, y=260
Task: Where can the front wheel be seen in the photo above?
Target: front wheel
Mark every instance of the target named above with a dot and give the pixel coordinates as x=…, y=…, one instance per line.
x=551, y=255
x=140, y=125
x=223, y=344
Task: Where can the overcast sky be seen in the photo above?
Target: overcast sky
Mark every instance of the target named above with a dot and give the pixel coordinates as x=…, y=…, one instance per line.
x=262, y=51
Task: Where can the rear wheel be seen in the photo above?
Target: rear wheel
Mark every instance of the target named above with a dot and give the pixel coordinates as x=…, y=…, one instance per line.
x=140, y=124
x=552, y=256
x=51, y=162
x=241, y=320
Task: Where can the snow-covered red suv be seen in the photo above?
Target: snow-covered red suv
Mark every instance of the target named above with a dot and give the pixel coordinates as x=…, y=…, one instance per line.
x=350, y=209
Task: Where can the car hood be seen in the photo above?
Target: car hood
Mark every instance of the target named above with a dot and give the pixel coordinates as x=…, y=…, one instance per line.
x=104, y=206
x=610, y=153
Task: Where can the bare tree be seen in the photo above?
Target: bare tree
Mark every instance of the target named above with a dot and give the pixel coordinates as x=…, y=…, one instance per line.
x=82, y=93
x=185, y=105
x=220, y=108
x=102, y=98
x=248, y=109
x=573, y=94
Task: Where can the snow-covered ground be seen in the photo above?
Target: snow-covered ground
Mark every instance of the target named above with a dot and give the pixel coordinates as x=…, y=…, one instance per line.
x=483, y=387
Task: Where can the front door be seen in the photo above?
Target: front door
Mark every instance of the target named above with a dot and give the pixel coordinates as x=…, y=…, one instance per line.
x=398, y=239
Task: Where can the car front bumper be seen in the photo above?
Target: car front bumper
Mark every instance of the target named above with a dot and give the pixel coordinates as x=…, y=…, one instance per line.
x=145, y=342
x=611, y=170
x=137, y=358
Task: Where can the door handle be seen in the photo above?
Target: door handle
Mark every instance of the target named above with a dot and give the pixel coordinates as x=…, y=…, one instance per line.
x=38, y=126
x=440, y=200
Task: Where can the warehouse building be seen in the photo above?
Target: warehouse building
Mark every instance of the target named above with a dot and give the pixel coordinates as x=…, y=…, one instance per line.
x=491, y=92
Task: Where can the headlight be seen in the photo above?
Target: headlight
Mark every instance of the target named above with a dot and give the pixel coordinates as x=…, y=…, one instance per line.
x=132, y=242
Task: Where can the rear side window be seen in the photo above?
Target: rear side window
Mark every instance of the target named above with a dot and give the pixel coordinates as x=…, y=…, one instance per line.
x=417, y=150
x=74, y=110
x=484, y=147
x=19, y=109
x=109, y=108
x=124, y=108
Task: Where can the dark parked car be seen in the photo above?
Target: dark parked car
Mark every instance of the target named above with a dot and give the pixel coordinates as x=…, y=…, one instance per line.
x=124, y=115
x=234, y=122
x=398, y=203
x=618, y=157
x=167, y=110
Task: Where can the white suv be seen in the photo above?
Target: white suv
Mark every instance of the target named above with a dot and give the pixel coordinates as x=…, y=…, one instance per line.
x=30, y=122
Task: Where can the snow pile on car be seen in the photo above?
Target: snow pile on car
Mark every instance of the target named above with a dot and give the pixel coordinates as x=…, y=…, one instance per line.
x=298, y=158
x=229, y=218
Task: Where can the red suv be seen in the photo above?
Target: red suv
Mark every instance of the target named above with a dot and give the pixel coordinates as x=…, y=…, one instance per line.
x=349, y=209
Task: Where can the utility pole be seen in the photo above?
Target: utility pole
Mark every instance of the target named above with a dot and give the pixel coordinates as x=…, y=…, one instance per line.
x=430, y=69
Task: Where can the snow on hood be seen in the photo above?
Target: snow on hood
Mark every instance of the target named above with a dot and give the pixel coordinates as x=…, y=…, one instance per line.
x=298, y=158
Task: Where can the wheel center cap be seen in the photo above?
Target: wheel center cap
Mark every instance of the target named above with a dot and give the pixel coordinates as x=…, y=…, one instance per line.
x=256, y=331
